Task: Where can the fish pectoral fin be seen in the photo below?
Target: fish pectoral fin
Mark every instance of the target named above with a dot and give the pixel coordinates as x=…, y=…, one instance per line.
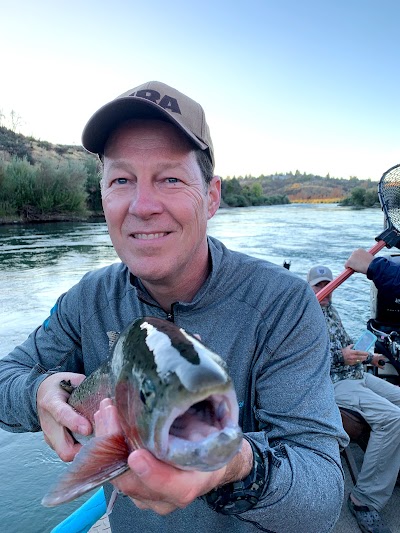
x=101, y=460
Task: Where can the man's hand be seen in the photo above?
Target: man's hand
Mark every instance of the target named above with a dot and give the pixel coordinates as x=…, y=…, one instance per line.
x=152, y=484
x=359, y=261
x=57, y=417
x=378, y=358
x=352, y=357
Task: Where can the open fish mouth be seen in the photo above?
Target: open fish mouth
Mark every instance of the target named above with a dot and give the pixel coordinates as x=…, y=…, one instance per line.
x=202, y=436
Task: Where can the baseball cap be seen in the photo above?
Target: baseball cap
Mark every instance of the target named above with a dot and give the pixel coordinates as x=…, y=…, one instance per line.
x=151, y=100
x=319, y=273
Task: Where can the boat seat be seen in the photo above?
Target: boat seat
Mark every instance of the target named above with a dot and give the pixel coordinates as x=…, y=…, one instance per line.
x=358, y=430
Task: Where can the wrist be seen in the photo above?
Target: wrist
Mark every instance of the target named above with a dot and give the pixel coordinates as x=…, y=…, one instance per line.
x=369, y=359
x=240, y=466
x=238, y=496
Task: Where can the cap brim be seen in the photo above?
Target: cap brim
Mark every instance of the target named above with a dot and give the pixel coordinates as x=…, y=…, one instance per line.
x=318, y=280
x=111, y=115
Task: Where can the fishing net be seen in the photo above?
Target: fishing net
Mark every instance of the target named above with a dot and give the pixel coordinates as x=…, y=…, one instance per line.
x=389, y=197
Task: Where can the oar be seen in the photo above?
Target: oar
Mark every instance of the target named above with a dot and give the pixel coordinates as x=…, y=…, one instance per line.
x=389, y=198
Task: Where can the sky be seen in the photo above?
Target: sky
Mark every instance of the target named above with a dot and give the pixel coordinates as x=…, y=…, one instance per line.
x=286, y=85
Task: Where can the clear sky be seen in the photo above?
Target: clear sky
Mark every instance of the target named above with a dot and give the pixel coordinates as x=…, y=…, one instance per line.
x=308, y=85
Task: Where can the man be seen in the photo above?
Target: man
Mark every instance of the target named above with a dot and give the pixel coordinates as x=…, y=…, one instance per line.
x=158, y=192
x=382, y=271
x=378, y=401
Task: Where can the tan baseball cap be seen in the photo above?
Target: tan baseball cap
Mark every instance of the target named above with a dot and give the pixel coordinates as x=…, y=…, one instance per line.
x=150, y=100
x=319, y=273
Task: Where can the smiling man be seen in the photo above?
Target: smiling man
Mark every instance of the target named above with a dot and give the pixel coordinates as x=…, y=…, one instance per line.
x=157, y=205
x=159, y=191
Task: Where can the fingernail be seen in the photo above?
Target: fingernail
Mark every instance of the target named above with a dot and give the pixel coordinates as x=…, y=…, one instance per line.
x=83, y=430
x=140, y=466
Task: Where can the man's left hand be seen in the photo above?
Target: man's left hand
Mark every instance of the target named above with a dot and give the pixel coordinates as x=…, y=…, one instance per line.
x=152, y=484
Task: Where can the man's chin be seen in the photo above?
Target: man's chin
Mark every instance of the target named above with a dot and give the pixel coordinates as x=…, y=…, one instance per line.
x=150, y=274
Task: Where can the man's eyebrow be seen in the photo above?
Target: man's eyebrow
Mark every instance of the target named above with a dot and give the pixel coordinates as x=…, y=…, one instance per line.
x=121, y=164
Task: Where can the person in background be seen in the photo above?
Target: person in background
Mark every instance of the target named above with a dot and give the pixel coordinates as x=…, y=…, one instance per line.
x=158, y=191
x=378, y=401
x=382, y=271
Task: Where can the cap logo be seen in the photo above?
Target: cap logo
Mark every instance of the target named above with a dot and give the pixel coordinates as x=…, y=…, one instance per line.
x=321, y=271
x=166, y=102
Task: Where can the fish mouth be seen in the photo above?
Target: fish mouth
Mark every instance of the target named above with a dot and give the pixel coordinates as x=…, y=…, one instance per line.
x=204, y=435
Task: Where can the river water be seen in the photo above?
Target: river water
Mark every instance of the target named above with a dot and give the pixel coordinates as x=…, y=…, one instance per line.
x=39, y=262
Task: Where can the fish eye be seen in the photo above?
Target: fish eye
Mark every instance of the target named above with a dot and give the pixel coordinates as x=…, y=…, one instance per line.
x=148, y=393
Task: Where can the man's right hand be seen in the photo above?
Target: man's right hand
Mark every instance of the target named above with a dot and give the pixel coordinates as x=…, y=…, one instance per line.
x=353, y=357
x=359, y=261
x=56, y=417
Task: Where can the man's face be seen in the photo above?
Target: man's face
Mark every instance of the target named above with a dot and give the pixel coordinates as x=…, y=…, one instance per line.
x=317, y=287
x=156, y=203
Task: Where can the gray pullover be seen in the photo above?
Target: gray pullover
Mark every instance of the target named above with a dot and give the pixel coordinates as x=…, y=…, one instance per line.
x=268, y=326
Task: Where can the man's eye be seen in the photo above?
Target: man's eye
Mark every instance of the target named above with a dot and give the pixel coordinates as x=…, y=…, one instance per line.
x=121, y=181
x=172, y=180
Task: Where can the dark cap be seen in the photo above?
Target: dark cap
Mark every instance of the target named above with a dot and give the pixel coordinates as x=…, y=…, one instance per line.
x=152, y=100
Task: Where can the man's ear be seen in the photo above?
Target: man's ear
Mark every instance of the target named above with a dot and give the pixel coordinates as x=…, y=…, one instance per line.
x=214, y=196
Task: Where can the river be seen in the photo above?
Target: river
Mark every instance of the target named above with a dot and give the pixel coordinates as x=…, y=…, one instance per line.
x=39, y=262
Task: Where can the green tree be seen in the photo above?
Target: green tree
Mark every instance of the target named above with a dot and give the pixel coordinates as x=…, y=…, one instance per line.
x=357, y=196
x=371, y=198
x=257, y=190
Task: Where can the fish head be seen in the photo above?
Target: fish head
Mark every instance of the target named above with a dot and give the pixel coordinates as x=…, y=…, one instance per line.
x=174, y=396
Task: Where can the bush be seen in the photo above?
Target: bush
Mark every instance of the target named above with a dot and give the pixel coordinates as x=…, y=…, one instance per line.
x=236, y=200
x=48, y=188
x=360, y=197
x=61, y=188
x=93, y=189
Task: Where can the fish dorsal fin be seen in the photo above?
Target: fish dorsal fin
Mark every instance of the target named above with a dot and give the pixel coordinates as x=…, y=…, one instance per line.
x=98, y=461
x=112, y=338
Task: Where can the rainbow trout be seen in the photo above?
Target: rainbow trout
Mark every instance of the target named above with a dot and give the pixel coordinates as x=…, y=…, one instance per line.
x=174, y=398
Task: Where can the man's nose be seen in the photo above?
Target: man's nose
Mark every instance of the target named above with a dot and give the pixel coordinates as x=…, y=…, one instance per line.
x=145, y=201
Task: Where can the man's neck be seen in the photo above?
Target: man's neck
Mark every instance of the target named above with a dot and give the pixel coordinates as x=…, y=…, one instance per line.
x=166, y=295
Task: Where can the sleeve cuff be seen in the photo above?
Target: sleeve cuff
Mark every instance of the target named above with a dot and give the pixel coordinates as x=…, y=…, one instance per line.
x=240, y=496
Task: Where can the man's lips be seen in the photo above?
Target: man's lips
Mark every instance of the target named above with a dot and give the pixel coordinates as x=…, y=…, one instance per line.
x=149, y=236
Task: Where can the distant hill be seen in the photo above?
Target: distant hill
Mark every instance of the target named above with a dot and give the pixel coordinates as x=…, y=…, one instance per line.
x=16, y=145
x=299, y=187
x=236, y=191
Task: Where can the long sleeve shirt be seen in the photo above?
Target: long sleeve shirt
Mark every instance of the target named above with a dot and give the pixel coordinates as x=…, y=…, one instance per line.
x=385, y=274
x=338, y=339
x=267, y=325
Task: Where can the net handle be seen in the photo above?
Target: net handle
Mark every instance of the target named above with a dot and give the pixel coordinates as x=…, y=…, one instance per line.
x=332, y=285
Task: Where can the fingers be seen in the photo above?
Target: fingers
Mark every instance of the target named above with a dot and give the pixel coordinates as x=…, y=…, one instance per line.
x=57, y=417
x=164, y=483
x=352, y=357
x=161, y=508
x=106, y=419
x=359, y=260
x=379, y=360
x=63, y=443
x=52, y=401
x=152, y=484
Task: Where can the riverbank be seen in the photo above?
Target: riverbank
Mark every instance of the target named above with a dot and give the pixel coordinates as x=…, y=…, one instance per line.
x=99, y=217
x=55, y=217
